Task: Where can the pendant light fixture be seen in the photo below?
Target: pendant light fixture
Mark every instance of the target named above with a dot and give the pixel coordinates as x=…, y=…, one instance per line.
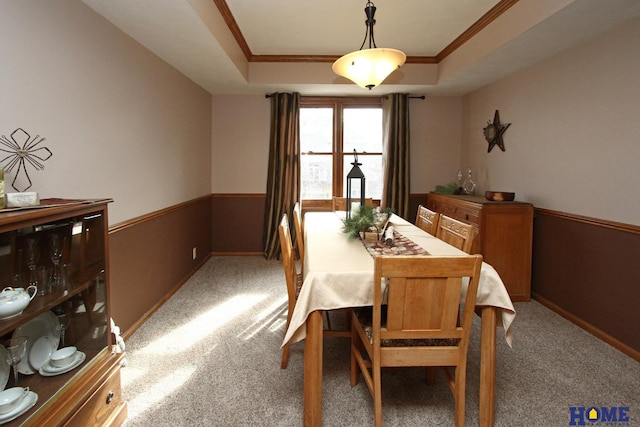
x=369, y=67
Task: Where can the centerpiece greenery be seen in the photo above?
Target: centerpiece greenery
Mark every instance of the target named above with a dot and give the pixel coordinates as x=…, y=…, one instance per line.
x=367, y=218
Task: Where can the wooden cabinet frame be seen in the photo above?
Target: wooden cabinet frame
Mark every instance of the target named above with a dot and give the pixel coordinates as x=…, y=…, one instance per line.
x=90, y=394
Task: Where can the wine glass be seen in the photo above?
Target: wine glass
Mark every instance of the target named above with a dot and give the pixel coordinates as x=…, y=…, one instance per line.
x=63, y=325
x=33, y=254
x=55, y=252
x=16, y=349
x=67, y=280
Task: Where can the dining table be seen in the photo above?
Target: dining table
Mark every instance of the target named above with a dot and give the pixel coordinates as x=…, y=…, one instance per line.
x=338, y=273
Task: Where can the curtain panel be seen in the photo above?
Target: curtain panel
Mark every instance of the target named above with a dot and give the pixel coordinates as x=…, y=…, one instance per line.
x=395, y=154
x=283, y=180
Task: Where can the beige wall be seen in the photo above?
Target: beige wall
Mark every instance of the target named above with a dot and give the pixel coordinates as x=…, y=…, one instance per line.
x=435, y=141
x=241, y=143
x=574, y=140
x=120, y=122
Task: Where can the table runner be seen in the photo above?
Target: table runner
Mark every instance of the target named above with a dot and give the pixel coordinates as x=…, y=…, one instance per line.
x=401, y=245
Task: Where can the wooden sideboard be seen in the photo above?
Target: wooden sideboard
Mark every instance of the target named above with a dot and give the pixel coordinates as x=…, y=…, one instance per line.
x=503, y=235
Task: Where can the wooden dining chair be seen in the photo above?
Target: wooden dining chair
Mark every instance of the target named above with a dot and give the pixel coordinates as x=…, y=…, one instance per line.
x=418, y=326
x=340, y=203
x=294, y=283
x=427, y=220
x=298, y=225
x=293, y=279
x=456, y=233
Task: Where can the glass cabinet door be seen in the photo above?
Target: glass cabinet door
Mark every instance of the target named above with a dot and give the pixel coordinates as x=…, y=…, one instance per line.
x=52, y=277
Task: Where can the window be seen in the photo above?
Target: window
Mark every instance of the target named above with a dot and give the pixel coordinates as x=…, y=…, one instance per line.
x=330, y=129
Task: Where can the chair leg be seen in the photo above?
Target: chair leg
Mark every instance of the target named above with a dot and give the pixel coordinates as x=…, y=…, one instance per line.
x=377, y=394
x=431, y=374
x=460, y=385
x=354, y=372
x=285, y=357
x=326, y=315
x=355, y=368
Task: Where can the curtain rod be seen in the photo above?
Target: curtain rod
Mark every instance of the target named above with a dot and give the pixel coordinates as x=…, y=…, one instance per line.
x=269, y=95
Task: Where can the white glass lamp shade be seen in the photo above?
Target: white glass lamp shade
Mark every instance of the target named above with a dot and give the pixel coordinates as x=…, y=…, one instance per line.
x=369, y=67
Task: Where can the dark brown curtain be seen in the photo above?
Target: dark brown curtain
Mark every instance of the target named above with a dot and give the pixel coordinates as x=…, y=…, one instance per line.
x=395, y=154
x=283, y=181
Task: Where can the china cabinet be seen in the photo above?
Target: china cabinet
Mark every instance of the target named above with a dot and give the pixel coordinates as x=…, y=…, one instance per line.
x=503, y=235
x=68, y=240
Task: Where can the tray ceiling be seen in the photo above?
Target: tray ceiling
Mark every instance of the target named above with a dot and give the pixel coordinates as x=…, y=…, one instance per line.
x=260, y=46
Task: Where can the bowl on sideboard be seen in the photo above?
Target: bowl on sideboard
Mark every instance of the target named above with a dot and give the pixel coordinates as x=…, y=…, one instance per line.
x=499, y=196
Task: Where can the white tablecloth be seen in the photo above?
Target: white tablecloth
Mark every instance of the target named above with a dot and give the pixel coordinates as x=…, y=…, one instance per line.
x=339, y=272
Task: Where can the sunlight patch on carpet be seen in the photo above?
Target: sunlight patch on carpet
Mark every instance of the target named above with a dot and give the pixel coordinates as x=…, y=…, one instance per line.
x=181, y=339
x=130, y=375
x=160, y=390
x=270, y=317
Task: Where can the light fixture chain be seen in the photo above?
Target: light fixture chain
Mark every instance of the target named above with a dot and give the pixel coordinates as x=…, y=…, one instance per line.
x=370, y=11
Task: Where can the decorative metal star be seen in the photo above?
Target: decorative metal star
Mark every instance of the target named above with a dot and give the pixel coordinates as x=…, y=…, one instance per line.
x=21, y=155
x=494, y=131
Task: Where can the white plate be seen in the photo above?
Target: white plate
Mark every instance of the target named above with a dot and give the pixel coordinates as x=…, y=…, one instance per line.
x=5, y=368
x=43, y=325
x=41, y=351
x=48, y=370
x=27, y=403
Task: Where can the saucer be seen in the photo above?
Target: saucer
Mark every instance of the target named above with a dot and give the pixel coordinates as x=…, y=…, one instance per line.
x=41, y=350
x=27, y=403
x=43, y=325
x=48, y=370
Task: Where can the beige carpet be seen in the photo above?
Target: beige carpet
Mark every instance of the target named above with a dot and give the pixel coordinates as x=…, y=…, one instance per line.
x=210, y=356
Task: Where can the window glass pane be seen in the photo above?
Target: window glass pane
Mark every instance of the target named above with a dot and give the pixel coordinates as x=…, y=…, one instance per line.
x=316, y=130
x=362, y=130
x=315, y=176
x=372, y=169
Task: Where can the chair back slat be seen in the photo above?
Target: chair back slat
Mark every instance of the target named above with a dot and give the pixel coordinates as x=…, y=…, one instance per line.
x=423, y=303
x=423, y=294
x=427, y=220
x=456, y=233
x=299, y=227
x=288, y=259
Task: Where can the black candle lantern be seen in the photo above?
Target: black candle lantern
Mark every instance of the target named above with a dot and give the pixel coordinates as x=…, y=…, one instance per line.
x=354, y=175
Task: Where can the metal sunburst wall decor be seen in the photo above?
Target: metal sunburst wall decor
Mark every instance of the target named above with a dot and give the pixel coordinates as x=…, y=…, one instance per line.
x=23, y=152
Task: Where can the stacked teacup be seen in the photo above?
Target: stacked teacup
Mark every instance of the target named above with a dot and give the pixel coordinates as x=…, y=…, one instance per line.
x=62, y=361
x=11, y=398
x=63, y=357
